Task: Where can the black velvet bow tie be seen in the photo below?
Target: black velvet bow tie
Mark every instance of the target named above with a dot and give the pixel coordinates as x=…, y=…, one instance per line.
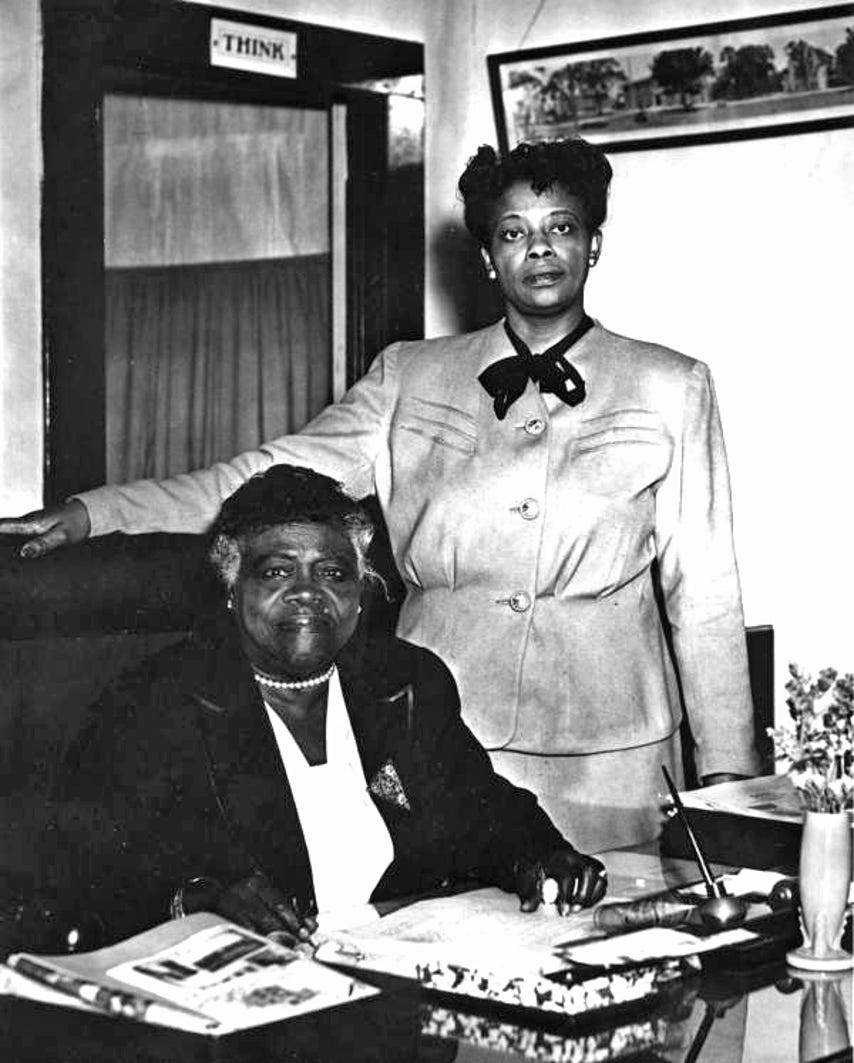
x=506, y=379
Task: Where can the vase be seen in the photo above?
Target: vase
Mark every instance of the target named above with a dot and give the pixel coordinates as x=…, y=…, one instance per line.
x=824, y=882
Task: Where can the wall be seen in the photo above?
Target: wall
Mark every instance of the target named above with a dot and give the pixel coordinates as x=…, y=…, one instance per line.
x=738, y=255
x=20, y=299
x=385, y=18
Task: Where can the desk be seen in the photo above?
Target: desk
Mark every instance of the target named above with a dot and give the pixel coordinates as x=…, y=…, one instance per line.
x=763, y=1015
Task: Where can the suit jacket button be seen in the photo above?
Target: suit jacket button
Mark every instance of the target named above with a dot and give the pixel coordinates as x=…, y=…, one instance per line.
x=520, y=602
x=535, y=426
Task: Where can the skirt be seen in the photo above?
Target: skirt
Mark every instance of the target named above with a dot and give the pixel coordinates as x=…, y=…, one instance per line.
x=599, y=801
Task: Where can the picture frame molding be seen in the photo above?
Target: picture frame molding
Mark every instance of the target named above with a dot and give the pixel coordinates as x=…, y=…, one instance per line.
x=673, y=139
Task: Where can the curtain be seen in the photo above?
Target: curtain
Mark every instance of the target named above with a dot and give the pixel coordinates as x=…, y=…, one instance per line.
x=218, y=331
x=206, y=361
x=200, y=181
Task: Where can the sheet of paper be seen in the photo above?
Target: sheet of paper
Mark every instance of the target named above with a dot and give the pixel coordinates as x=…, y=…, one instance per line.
x=745, y=881
x=650, y=944
x=486, y=928
x=770, y=797
x=482, y=927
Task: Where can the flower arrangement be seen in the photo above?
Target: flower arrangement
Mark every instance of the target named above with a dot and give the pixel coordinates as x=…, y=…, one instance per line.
x=818, y=745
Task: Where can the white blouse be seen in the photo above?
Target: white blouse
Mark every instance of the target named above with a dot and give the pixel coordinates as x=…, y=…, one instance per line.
x=348, y=844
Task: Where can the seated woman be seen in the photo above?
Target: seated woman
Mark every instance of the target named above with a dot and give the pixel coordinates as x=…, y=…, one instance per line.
x=278, y=764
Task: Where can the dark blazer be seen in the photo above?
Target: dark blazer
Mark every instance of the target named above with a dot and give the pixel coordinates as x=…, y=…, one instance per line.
x=177, y=774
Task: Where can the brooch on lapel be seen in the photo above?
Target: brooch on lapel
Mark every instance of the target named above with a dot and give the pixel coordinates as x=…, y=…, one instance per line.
x=387, y=785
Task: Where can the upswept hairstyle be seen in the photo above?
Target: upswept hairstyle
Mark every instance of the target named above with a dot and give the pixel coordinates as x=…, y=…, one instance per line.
x=574, y=164
x=286, y=494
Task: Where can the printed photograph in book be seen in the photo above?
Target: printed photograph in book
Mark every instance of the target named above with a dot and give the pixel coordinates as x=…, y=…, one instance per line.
x=200, y=974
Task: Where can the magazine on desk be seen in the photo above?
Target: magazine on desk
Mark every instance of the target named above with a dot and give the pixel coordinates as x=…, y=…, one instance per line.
x=201, y=974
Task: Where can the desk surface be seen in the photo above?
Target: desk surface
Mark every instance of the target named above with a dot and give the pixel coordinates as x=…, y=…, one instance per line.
x=761, y=1015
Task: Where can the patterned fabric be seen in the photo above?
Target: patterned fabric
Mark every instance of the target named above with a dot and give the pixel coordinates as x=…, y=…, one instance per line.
x=386, y=784
x=571, y=991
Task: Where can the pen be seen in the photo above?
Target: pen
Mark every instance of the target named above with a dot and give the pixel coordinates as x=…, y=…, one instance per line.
x=720, y=911
x=304, y=940
x=713, y=888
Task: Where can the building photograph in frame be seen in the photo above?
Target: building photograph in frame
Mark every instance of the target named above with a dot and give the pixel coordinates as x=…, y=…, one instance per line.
x=762, y=76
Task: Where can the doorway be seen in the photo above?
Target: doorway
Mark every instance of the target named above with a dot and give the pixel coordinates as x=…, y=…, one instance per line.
x=218, y=278
x=190, y=314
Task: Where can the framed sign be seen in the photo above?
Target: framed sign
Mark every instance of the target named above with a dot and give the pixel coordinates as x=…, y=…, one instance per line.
x=756, y=77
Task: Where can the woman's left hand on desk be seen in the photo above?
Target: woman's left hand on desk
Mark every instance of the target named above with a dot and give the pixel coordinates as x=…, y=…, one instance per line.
x=578, y=881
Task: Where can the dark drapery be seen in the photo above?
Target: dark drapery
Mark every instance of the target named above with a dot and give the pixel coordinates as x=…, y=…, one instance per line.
x=218, y=324
x=205, y=361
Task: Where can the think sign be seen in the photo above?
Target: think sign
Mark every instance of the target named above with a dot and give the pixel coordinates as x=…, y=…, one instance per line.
x=257, y=48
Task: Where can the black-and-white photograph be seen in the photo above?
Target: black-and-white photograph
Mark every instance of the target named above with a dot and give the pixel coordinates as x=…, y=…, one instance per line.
x=425, y=551
x=751, y=77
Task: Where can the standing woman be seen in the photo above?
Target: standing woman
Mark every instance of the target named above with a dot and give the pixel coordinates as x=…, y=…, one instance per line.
x=533, y=476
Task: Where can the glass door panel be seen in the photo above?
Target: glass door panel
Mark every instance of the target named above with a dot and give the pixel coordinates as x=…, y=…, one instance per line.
x=218, y=259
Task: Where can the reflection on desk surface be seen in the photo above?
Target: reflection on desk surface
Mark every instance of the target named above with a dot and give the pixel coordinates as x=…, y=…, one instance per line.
x=719, y=1020
x=710, y=1021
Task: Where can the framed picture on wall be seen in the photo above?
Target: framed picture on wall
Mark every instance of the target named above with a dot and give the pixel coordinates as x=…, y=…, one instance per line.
x=755, y=77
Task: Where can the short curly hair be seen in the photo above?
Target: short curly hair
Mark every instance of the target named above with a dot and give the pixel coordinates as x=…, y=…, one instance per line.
x=286, y=494
x=573, y=163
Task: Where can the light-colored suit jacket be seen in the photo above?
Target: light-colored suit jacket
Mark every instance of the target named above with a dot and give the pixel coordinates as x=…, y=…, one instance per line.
x=527, y=545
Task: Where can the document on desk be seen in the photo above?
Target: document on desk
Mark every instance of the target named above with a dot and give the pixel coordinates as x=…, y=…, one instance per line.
x=485, y=929
x=651, y=943
x=480, y=945
x=770, y=797
x=483, y=926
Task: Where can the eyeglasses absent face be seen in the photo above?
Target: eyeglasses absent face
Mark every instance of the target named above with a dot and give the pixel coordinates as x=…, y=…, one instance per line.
x=540, y=249
x=296, y=597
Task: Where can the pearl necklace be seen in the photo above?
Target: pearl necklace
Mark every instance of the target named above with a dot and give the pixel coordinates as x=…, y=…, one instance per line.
x=295, y=684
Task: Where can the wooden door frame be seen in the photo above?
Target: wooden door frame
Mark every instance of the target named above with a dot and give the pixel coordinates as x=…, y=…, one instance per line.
x=160, y=47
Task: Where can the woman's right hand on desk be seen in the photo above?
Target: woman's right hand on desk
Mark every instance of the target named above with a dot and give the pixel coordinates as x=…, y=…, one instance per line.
x=577, y=881
x=49, y=528
x=253, y=902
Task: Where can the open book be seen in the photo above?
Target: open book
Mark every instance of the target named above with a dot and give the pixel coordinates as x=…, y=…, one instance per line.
x=201, y=974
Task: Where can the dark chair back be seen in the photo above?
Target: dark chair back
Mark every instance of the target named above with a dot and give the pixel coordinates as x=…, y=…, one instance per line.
x=71, y=621
x=760, y=659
